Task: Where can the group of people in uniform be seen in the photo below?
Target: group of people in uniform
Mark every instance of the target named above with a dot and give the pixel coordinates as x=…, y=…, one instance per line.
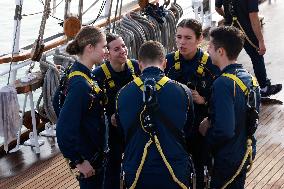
x=185, y=119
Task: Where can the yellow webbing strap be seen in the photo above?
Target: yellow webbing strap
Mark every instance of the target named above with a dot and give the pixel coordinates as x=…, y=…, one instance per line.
x=202, y=63
x=247, y=154
x=90, y=81
x=108, y=75
x=177, y=61
x=249, y=141
x=159, y=84
x=131, y=67
x=239, y=82
x=200, y=68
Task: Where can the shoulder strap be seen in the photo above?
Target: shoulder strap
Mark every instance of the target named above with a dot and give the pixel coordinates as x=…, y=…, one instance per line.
x=202, y=63
x=167, y=122
x=90, y=81
x=131, y=68
x=159, y=84
x=108, y=75
x=200, y=68
x=177, y=61
x=239, y=82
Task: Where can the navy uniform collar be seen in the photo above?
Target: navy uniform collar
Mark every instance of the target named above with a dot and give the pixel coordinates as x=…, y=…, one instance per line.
x=231, y=68
x=113, y=71
x=77, y=66
x=152, y=71
x=195, y=58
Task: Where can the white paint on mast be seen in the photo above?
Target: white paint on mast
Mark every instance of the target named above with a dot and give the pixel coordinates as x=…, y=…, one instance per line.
x=16, y=35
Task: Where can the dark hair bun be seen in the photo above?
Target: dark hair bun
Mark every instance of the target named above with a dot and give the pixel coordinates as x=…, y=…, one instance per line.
x=73, y=48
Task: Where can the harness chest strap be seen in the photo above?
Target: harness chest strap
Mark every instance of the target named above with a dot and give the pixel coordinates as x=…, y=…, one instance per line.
x=131, y=68
x=202, y=62
x=108, y=74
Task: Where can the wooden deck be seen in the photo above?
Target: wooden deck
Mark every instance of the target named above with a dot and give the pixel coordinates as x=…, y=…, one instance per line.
x=26, y=170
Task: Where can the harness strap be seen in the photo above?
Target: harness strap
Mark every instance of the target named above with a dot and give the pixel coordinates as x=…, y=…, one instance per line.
x=239, y=82
x=131, y=68
x=202, y=63
x=200, y=68
x=108, y=75
x=140, y=85
x=159, y=84
x=248, y=153
x=90, y=81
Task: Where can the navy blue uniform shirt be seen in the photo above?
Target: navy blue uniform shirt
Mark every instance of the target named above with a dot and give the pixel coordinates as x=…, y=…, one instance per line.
x=242, y=9
x=175, y=102
x=80, y=130
x=187, y=74
x=227, y=136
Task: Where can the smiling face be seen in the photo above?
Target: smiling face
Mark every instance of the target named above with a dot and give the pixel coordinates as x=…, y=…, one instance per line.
x=186, y=41
x=117, y=51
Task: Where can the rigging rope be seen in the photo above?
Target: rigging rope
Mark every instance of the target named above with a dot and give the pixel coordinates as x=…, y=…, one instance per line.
x=32, y=14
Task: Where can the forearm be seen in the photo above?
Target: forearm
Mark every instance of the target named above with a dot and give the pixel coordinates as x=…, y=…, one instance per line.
x=256, y=26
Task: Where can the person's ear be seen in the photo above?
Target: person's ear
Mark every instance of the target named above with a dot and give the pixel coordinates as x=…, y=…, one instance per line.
x=164, y=64
x=141, y=65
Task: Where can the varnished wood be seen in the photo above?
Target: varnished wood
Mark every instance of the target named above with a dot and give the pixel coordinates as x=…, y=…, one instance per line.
x=25, y=87
x=27, y=55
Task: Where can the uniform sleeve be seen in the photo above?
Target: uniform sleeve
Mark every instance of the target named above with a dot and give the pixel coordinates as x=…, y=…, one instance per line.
x=190, y=117
x=223, y=114
x=170, y=63
x=70, y=117
x=252, y=6
x=218, y=3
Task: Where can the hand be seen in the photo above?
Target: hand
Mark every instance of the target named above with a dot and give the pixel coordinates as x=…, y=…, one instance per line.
x=86, y=169
x=204, y=126
x=262, y=48
x=197, y=98
x=113, y=120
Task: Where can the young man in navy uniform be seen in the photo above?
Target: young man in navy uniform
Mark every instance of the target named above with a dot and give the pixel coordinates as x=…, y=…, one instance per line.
x=244, y=14
x=170, y=121
x=111, y=76
x=226, y=130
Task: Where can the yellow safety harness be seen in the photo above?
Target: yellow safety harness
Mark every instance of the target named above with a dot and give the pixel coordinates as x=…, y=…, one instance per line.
x=200, y=68
x=153, y=138
x=248, y=153
x=108, y=74
x=95, y=87
x=97, y=90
